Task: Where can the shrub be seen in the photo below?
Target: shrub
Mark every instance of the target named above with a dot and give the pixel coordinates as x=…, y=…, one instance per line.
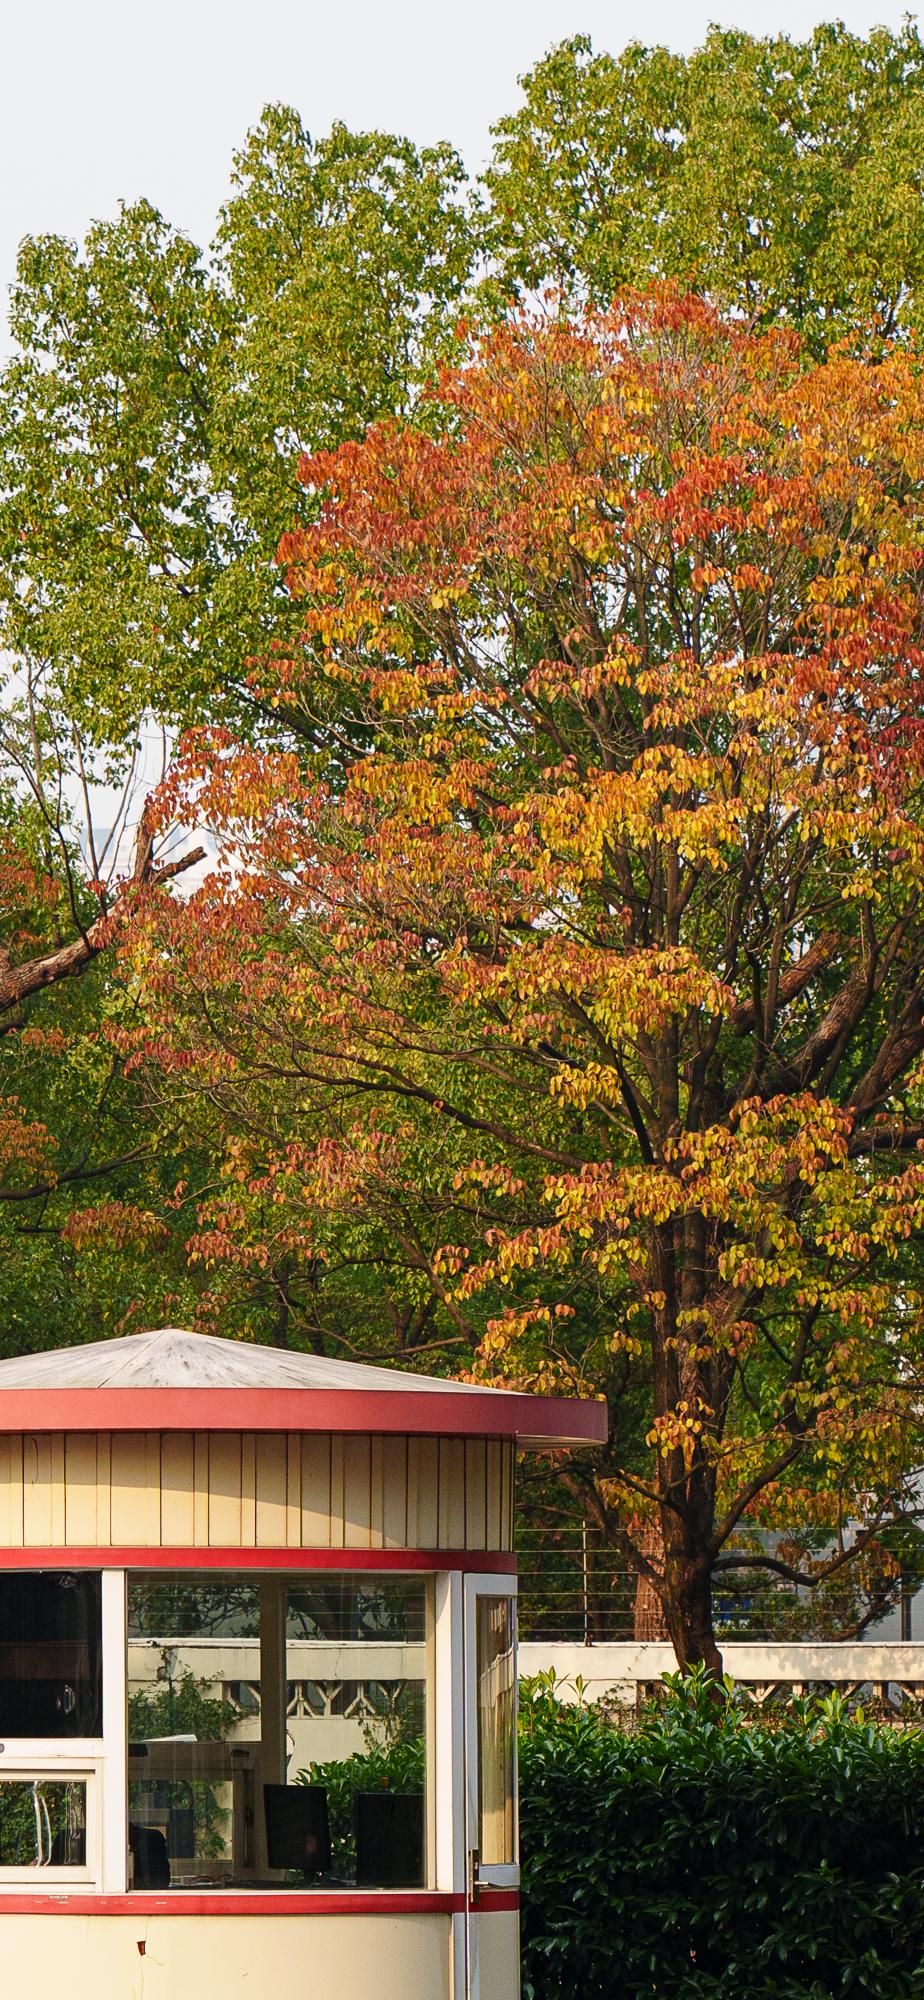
x=709, y=1854
x=389, y=1767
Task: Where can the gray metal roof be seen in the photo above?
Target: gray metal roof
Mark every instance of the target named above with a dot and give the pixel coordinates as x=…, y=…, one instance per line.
x=170, y=1358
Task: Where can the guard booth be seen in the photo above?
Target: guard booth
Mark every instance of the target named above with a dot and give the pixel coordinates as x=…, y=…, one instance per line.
x=257, y=1674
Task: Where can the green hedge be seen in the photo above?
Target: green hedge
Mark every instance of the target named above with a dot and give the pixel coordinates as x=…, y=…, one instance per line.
x=709, y=1855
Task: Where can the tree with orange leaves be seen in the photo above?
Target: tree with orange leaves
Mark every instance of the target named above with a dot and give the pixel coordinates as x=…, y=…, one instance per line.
x=607, y=878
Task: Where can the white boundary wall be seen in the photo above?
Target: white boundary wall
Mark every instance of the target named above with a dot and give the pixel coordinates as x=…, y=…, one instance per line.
x=621, y=1667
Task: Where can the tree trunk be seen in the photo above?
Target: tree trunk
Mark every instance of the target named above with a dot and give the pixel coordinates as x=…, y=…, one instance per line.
x=684, y=1384
x=650, y=1624
x=688, y=1611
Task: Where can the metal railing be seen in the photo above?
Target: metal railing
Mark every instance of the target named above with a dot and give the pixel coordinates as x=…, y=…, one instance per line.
x=571, y=1591
x=575, y=1591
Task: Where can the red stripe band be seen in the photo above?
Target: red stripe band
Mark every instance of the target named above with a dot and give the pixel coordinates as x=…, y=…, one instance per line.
x=492, y=1562
x=285, y=1903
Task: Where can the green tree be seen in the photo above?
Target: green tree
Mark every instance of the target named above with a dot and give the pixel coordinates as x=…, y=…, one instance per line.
x=784, y=178
x=72, y=1122
x=154, y=410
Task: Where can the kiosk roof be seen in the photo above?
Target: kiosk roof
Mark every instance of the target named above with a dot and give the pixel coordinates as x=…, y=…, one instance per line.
x=170, y=1379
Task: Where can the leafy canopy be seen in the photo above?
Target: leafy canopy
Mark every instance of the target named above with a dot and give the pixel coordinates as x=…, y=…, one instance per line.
x=157, y=400
x=624, y=898
x=782, y=177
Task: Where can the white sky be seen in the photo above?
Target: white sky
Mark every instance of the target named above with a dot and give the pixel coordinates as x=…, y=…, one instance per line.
x=109, y=99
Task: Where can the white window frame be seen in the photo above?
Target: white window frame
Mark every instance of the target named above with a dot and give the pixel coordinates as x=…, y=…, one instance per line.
x=490, y=1874
x=95, y=1761
x=116, y=1728
x=19, y=1766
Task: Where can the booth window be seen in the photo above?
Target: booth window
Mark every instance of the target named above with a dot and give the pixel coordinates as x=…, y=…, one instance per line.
x=278, y=1731
x=496, y=1710
x=43, y=1823
x=50, y=1654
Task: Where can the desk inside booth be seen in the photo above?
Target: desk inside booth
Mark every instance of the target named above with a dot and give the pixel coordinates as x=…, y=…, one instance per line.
x=192, y=1813
x=200, y=1818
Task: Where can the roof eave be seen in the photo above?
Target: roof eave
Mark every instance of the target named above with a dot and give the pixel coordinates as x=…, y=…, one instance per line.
x=532, y=1422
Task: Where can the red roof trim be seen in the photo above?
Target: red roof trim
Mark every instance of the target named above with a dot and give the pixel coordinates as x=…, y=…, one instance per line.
x=282, y=1903
x=489, y=1562
x=531, y=1420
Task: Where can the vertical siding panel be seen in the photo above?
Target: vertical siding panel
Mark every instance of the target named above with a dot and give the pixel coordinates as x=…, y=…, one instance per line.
x=129, y=1489
x=413, y=1487
x=177, y=1477
x=394, y=1495
x=36, y=1491
x=452, y=1493
x=476, y=1522
x=80, y=1484
x=271, y=1491
x=377, y=1497
x=315, y=1491
x=200, y=1491
x=494, y=1500
x=293, y=1491
x=225, y=1490
x=357, y=1493
x=424, y=1522
x=104, y=1488
x=443, y=1491
x=337, y=1518
x=153, y=1489
x=7, y=1493
x=248, y=1491
x=56, y=1482
x=17, y=1494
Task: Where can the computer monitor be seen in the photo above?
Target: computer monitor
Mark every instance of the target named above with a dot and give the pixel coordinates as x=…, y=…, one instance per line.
x=297, y=1828
x=390, y=1840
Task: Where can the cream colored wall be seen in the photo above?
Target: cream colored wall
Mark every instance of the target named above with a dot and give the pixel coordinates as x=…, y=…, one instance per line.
x=229, y=1958
x=247, y=1490
x=499, y=1955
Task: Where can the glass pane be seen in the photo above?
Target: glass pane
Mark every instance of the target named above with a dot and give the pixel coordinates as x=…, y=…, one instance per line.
x=50, y=1654
x=193, y=1752
x=277, y=1731
x=43, y=1824
x=356, y=1702
x=496, y=1699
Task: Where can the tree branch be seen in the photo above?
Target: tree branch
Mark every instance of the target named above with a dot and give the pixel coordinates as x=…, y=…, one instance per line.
x=20, y=982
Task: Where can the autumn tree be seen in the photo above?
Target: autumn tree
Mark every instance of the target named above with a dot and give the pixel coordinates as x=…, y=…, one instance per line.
x=71, y=1124
x=621, y=894
x=151, y=415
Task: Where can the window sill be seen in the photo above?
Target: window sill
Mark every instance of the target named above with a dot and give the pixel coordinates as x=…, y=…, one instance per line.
x=254, y=1903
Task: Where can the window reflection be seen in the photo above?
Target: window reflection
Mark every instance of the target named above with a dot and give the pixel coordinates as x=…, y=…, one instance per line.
x=356, y=1720
x=277, y=1731
x=50, y=1654
x=43, y=1823
x=496, y=1705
